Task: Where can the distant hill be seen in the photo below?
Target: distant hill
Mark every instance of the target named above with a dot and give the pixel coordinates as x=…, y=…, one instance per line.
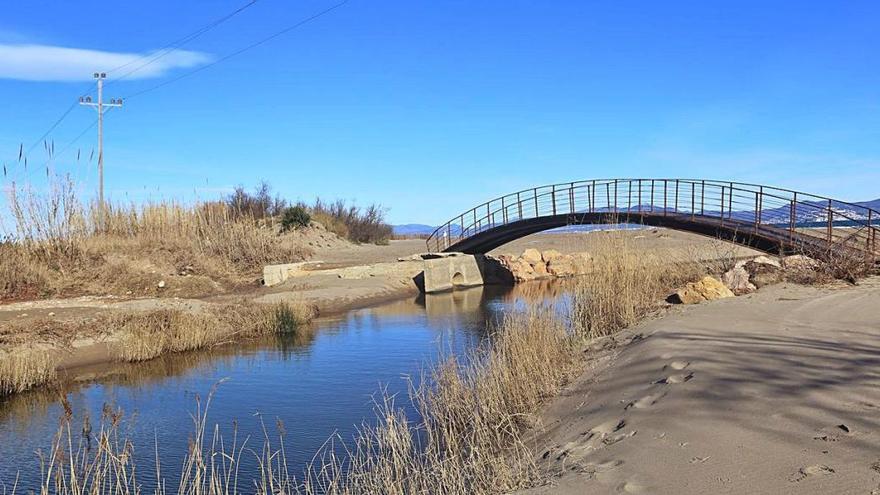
x=420, y=229
x=873, y=204
x=412, y=229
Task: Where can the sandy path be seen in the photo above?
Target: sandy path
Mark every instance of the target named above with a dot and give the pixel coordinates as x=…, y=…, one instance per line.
x=777, y=392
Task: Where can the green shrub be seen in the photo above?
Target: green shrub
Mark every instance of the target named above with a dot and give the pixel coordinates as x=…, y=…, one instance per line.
x=294, y=217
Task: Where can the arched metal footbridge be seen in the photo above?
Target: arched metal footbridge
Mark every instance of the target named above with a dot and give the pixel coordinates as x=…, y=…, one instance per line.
x=767, y=218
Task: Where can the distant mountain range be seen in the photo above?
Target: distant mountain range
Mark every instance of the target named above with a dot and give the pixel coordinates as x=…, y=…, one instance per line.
x=804, y=214
x=412, y=229
x=874, y=205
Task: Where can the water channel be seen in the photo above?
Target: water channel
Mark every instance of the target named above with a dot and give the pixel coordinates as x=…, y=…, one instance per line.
x=319, y=383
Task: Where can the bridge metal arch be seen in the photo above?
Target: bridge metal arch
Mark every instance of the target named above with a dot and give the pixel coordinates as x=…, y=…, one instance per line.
x=768, y=218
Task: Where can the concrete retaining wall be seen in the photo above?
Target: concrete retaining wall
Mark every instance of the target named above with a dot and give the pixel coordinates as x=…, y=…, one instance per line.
x=463, y=270
x=452, y=271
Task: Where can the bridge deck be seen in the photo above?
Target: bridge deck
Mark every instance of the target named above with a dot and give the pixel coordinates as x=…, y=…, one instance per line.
x=766, y=218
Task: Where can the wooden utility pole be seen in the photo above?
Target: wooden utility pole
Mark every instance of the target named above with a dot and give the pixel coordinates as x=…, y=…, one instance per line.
x=101, y=107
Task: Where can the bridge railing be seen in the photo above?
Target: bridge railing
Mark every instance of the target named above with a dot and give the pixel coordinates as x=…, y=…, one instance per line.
x=771, y=211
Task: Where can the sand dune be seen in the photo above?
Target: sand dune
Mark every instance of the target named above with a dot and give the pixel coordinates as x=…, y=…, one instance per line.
x=776, y=392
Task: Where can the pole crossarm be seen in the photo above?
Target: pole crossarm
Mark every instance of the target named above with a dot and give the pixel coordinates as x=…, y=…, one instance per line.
x=769, y=218
x=101, y=108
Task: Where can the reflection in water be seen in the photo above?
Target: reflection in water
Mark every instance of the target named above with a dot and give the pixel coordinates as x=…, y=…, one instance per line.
x=318, y=382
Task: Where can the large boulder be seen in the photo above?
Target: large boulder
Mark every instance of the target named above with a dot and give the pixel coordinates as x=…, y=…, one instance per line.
x=706, y=289
x=550, y=255
x=562, y=266
x=737, y=280
x=540, y=269
x=533, y=264
x=765, y=261
x=799, y=262
x=522, y=270
x=763, y=271
x=532, y=256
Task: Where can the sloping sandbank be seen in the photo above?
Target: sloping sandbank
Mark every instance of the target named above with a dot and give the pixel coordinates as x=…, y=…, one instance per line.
x=775, y=392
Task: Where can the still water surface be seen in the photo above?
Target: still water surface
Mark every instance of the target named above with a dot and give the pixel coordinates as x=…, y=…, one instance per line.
x=317, y=385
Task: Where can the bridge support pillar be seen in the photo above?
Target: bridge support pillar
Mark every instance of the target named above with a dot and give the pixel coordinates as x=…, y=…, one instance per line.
x=449, y=272
x=459, y=270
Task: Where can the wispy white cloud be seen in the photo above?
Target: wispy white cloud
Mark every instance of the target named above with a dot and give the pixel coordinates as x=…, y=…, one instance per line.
x=29, y=62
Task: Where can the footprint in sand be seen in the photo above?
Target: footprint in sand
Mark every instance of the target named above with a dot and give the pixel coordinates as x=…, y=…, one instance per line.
x=677, y=365
x=678, y=378
x=632, y=487
x=832, y=433
x=611, y=440
x=815, y=470
x=601, y=467
x=607, y=427
x=646, y=401
x=594, y=438
x=605, y=434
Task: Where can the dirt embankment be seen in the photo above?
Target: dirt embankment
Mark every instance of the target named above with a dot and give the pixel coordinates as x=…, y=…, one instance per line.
x=773, y=392
x=340, y=281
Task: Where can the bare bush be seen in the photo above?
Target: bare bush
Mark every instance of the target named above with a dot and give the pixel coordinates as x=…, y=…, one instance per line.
x=361, y=225
x=257, y=205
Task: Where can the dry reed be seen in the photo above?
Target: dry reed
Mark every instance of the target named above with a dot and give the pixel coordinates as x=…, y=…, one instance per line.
x=24, y=369
x=474, y=413
x=148, y=334
x=61, y=245
x=625, y=285
x=142, y=335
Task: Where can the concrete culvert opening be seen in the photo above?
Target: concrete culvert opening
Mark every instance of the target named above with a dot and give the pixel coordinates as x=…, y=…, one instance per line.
x=457, y=279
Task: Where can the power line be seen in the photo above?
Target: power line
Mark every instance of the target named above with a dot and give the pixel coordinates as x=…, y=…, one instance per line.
x=163, y=52
x=150, y=59
x=25, y=153
x=34, y=170
x=168, y=48
x=52, y=128
x=240, y=51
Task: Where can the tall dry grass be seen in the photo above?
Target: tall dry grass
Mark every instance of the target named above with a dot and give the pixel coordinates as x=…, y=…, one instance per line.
x=25, y=369
x=149, y=334
x=59, y=244
x=626, y=284
x=473, y=415
x=140, y=336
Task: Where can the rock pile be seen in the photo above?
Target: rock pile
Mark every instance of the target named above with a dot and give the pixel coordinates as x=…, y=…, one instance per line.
x=752, y=274
x=745, y=277
x=706, y=289
x=533, y=264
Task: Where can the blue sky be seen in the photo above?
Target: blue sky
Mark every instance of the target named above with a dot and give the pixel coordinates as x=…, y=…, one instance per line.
x=430, y=107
